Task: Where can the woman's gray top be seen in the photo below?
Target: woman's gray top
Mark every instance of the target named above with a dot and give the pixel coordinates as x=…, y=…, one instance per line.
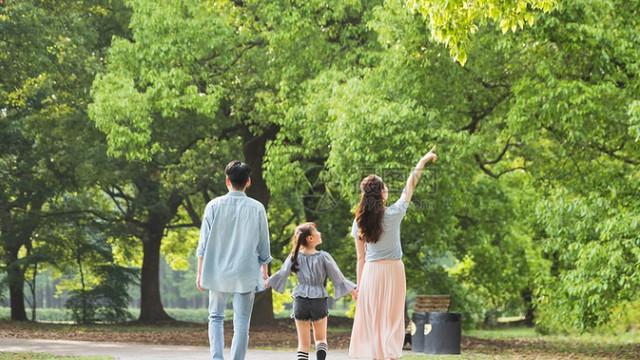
x=312, y=276
x=388, y=246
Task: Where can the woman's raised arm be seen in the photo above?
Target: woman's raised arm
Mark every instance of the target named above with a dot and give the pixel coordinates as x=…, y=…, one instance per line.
x=415, y=175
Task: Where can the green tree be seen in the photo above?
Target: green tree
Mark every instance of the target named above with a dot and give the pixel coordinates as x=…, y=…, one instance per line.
x=452, y=23
x=547, y=115
x=48, y=55
x=78, y=250
x=358, y=121
x=207, y=80
x=171, y=104
x=579, y=103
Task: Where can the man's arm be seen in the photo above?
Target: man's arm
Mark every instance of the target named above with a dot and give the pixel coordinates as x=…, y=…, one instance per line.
x=264, y=269
x=264, y=248
x=199, y=277
x=205, y=231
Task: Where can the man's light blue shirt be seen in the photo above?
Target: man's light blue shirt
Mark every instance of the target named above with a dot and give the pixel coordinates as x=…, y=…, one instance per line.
x=234, y=242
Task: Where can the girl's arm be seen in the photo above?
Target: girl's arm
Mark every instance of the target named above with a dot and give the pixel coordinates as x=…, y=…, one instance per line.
x=341, y=285
x=278, y=281
x=415, y=175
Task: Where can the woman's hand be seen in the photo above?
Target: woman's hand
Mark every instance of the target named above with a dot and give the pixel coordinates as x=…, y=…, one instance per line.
x=429, y=157
x=354, y=294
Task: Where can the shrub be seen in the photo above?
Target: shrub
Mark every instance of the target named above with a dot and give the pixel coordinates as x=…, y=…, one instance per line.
x=106, y=302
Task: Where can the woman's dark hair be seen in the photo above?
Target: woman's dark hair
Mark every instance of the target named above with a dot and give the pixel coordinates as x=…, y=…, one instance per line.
x=303, y=231
x=238, y=173
x=370, y=210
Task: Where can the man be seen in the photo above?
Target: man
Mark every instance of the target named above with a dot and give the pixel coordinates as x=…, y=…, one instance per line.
x=233, y=253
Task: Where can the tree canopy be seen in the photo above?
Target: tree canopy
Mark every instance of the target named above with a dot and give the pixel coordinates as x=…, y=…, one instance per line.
x=116, y=128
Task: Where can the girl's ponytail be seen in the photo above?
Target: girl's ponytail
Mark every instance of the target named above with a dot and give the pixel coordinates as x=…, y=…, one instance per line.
x=299, y=239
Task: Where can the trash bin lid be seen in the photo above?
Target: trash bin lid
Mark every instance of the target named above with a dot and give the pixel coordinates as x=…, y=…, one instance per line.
x=437, y=317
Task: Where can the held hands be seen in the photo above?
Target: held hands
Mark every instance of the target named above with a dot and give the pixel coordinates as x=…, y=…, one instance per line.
x=354, y=294
x=264, y=269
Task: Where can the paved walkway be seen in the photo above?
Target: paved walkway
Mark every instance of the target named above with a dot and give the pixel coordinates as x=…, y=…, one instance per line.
x=124, y=351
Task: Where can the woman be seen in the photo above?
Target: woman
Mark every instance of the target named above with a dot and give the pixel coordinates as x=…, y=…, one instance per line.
x=378, y=328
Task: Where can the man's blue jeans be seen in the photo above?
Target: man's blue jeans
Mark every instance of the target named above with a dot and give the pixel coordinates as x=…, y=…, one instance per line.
x=242, y=306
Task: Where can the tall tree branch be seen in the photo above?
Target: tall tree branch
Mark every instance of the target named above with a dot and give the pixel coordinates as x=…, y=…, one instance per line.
x=612, y=153
x=504, y=151
x=477, y=116
x=488, y=171
x=188, y=206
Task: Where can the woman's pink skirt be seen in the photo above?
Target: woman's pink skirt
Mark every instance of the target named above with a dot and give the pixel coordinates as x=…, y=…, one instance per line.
x=378, y=328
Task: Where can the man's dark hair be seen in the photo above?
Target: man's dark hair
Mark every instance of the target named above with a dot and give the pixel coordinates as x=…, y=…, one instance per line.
x=238, y=173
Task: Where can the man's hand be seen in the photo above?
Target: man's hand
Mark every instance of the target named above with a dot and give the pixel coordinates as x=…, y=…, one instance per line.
x=354, y=294
x=265, y=271
x=199, y=275
x=199, y=284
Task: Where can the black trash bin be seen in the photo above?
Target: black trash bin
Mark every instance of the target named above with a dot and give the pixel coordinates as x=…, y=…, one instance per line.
x=417, y=332
x=437, y=333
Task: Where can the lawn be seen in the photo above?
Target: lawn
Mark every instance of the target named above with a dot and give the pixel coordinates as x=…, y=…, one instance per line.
x=525, y=343
x=44, y=356
x=188, y=315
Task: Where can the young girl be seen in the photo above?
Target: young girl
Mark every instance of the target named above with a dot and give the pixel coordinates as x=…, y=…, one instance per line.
x=310, y=304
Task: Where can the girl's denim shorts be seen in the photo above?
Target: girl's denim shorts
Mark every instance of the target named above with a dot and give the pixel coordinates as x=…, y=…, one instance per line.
x=310, y=309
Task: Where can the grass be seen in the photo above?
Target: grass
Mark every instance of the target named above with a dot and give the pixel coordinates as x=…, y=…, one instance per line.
x=525, y=343
x=464, y=356
x=64, y=315
x=45, y=356
x=190, y=315
x=504, y=333
x=600, y=340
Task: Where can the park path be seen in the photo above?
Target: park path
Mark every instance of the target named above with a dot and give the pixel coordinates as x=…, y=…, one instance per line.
x=124, y=351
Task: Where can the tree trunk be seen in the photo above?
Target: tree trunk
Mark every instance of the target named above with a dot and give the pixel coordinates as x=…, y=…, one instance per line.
x=254, y=149
x=83, y=286
x=151, y=309
x=15, y=277
x=33, y=292
x=19, y=233
x=160, y=213
x=263, y=309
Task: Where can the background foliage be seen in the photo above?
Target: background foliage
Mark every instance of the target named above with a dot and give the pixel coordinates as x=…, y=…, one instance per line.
x=118, y=117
